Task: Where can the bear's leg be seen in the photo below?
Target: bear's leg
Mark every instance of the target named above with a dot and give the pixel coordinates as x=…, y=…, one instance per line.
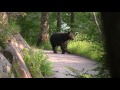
x=63, y=51
x=64, y=48
x=54, y=47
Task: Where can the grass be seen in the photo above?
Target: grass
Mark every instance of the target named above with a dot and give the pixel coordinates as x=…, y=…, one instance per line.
x=37, y=63
x=88, y=49
x=46, y=46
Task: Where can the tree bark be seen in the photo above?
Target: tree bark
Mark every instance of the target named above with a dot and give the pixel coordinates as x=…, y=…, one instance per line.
x=44, y=31
x=111, y=30
x=58, y=21
x=3, y=19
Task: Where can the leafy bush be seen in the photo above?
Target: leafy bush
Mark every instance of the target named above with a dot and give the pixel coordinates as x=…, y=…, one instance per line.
x=37, y=64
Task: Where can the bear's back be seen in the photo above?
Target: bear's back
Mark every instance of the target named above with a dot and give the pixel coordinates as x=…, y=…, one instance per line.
x=57, y=37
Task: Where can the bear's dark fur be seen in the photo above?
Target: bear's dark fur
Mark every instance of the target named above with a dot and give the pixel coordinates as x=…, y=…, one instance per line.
x=60, y=39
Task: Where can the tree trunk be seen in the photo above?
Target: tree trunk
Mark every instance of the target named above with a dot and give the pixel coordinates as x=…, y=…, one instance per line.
x=58, y=21
x=111, y=30
x=3, y=19
x=96, y=21
x=44, y=31
x=72, y=17
x=99, y=27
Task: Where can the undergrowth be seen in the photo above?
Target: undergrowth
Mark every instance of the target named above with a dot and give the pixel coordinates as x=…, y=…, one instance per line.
x=37, y=64
x=91, y=50
x=7, y=33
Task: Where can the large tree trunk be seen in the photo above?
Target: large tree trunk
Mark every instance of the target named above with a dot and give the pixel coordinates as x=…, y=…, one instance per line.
x=72, y=17
x=58, y=21
x=44, y=31
x=111, y=30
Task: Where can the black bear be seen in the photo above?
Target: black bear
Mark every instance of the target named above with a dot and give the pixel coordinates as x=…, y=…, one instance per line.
x=60, y=39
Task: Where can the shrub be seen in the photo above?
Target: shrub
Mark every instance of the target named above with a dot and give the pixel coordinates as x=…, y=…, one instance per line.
x=37, y=63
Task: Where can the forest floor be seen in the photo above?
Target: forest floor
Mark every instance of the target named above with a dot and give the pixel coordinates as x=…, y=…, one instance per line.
x=62, y=61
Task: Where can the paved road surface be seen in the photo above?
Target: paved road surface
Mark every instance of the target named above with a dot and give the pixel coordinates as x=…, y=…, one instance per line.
x=62, y=61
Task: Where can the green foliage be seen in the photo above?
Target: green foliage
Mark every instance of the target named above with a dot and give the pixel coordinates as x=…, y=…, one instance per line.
x=46, y=46
x=86, y=26
x=52, y=22
x=3, y=39
x=7, y=33
x=37, y=64
x=30, y=27
x=88, y=49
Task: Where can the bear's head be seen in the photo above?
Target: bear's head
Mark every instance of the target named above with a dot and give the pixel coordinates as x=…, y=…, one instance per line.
x=70, y=36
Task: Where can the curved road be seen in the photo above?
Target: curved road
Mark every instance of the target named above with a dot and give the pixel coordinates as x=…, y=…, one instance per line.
x=62, y=61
